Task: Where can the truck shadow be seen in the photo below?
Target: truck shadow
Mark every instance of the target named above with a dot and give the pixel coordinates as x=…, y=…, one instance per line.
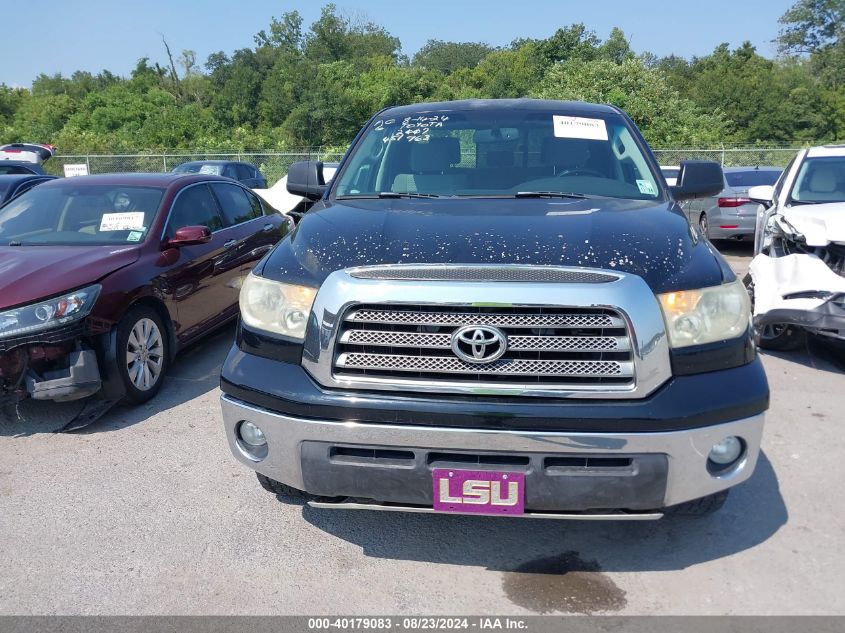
x=753, y=513
x=818, y=353
x=195, y=371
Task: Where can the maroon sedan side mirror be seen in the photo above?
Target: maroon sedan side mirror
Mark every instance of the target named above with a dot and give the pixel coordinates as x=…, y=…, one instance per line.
x=190, y=236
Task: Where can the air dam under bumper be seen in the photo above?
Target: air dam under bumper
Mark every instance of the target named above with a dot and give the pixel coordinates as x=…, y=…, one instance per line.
x=637, y=472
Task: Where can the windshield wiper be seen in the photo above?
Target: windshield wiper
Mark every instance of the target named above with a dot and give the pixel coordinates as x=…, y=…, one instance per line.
x=388, y=194
x=406, y=194
x=550, y=194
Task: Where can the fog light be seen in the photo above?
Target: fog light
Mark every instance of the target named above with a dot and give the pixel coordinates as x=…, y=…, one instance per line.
x=251, y=434
x=726, y=452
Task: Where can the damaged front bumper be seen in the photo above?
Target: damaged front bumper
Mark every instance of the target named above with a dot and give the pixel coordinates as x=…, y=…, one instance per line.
x=58, y=364
x=798, y=289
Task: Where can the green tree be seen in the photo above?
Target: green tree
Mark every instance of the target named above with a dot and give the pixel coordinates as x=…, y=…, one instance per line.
x=447, y=57
x=644, y=93
x=817, y=28
x=335, y=37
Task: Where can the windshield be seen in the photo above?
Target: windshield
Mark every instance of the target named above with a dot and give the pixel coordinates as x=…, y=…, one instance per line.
x=820, y=180
x=71, y=214
x=498, y=153
x=199, y=168
x=752, y=177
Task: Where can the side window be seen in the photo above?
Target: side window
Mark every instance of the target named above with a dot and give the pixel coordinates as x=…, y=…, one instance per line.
x=244, y=172
x=230, y=172
x=195, y=206
x=257, y=207
x=782, y=179
x=235, y=203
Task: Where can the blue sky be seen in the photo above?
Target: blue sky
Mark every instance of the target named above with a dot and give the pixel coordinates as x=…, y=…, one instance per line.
x=114, y=34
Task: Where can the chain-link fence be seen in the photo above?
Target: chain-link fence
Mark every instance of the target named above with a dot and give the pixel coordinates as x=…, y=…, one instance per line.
x=275, y=164
x=730, y=156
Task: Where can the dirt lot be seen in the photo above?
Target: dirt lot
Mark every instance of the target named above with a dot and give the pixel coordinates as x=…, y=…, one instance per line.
x=146, y=512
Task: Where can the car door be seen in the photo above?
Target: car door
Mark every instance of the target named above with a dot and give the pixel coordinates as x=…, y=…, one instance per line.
x=204, y=282
x=256, y=233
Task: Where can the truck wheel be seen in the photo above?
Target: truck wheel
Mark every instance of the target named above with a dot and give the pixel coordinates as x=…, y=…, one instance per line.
x=142, y=353
x=278, y=488
x=700, y=507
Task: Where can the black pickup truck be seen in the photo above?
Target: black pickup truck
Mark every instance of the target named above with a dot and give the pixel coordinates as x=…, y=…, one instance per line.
x=497, y=307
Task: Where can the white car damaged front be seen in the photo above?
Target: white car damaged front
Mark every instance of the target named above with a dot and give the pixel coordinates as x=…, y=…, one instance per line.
x=798, y=274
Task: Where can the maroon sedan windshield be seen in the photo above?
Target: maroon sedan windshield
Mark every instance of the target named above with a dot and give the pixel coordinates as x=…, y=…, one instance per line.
x=70, y=214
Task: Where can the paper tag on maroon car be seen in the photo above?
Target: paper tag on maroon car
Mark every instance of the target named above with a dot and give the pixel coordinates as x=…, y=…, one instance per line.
x=478, y=491
x=122, y=221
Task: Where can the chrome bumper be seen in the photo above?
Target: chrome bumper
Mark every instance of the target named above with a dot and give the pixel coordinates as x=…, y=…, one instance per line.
x=686, y=451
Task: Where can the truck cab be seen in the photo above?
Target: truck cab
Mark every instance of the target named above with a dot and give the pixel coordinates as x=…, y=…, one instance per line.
x=497, y=307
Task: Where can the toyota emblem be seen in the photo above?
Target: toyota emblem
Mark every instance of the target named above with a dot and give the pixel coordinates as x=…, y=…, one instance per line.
x=479, y=344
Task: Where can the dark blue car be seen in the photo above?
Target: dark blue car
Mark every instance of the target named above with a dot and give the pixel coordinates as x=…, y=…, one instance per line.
x=12, y=186
x=245, y=173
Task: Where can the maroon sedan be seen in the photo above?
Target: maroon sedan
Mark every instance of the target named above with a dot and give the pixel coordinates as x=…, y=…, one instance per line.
x=104, y=278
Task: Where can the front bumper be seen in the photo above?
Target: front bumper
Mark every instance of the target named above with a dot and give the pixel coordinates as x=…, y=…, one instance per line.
x=798, y=289
x=664, y=468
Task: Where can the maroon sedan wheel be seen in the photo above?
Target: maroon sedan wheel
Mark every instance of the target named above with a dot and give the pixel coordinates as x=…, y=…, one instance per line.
x=142, y=353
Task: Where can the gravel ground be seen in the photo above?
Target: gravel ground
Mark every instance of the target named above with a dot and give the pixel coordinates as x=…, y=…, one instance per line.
x=146, y=512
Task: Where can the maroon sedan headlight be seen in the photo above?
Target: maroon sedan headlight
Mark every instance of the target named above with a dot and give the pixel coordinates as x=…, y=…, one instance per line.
x=49, y=313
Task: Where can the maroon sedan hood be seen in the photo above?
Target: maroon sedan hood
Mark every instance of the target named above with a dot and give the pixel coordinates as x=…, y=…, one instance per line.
x=30, y=273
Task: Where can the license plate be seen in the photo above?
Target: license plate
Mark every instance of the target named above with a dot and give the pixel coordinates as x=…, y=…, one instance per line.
x=478, y=491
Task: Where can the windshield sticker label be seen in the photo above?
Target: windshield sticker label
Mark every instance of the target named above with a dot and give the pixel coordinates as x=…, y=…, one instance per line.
x=579, y=127
x=134, y=236
x=122, y=221
x=646, y=187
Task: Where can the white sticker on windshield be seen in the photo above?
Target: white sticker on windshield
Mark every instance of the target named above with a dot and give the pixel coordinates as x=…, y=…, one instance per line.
x=135, y=236
x=646, y=187
x=122, y=221
x=579, y=127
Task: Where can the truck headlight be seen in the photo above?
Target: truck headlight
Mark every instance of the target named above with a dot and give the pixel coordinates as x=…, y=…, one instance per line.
x=276, y=307
x=717, y=313
x=49, y=313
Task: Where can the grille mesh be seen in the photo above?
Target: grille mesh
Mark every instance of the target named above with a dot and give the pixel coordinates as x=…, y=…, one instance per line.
x=545, y=346
x=494, y=319
x=454, y=365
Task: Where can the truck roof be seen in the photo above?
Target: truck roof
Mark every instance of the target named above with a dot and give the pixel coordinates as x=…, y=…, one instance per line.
x=570, y=107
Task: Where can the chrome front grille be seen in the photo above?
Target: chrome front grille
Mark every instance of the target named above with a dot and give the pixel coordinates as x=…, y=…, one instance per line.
x=546, y=346
x=494, y=318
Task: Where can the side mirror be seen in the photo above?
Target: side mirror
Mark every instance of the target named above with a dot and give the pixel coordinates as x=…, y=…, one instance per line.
x=190, y=236
x=698, y=179
x=764, y=194
x=306, y=179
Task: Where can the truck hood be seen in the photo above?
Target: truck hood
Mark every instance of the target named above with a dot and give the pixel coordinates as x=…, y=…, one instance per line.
x=30, y=273
x=653, y=242
x=820, y=224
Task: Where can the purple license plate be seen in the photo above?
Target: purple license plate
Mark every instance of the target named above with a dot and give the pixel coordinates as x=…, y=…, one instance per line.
x=478, y=491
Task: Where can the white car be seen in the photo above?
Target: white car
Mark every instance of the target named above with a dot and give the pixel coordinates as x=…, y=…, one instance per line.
x=797, y=277
x=285, y=202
